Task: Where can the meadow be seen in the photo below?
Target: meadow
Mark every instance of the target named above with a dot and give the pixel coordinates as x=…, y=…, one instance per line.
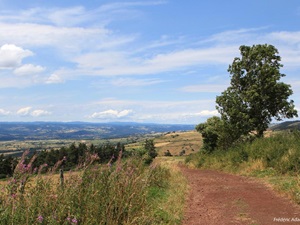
x=177, y=143
x=123, y=191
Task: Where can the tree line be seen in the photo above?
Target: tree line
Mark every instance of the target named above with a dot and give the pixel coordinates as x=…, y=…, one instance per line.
x=76, y=155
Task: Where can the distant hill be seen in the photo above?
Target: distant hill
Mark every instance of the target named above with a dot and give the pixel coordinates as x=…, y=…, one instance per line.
x=286, y=125
x=81, y=130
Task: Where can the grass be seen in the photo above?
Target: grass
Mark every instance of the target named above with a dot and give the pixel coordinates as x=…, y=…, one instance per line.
x=171, y=204
x=127, y=192
x=176, y=142
x=275, y=159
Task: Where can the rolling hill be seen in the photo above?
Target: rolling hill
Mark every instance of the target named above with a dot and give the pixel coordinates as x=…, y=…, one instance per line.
x=286, y=125
x=81, y=130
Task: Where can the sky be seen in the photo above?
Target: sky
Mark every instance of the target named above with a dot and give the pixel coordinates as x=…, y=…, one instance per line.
x=150, y=61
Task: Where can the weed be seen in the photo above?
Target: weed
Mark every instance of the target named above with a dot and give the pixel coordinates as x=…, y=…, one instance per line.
x=122, y=193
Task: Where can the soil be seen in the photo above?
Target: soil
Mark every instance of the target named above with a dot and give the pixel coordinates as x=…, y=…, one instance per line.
x=219, y=198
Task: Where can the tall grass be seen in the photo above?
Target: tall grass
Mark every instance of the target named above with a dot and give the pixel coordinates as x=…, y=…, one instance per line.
x=96, y=194
x=276, y=157
x=279, y=152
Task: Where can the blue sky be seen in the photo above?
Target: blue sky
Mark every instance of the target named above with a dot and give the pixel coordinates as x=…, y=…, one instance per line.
x=161, y=61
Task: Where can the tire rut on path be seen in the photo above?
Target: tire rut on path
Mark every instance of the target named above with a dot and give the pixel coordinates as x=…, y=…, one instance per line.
x=219, y=198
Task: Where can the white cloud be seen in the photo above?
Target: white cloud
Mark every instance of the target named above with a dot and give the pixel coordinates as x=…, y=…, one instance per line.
x=11, y=55
x=212, y=88
x=206, y=113
x=177, y=117
x=68, y=40
x=24, y=111
x=125, y=82
x=54, y=79
x=111, y=114
x=4, y=112
x=27, y=111
x=120, y=63
x=28, y=69
x=40, y=112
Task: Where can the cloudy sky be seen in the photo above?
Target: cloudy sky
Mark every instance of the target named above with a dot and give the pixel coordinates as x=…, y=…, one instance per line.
x=161, y=61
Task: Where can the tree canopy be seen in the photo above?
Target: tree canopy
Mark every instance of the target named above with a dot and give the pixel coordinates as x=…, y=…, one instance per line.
x=256, y=94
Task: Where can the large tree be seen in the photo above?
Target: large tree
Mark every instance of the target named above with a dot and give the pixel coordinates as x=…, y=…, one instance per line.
x=256, y=94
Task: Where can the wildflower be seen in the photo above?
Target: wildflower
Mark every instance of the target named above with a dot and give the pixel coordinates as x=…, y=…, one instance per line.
x=40, y=219
x=74, y=221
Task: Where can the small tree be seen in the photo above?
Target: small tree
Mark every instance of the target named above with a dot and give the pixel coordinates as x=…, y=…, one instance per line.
x=255, y=95
x=211, y=133
x=150, y=151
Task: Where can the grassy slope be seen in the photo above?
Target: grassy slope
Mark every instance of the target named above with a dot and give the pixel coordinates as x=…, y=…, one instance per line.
x=275, y=160
x=176, y=142
x=164, y=203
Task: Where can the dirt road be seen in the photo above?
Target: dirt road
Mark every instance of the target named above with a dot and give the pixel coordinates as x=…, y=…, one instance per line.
x=218, y=198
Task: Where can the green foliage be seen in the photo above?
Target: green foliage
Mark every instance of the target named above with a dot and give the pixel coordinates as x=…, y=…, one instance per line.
x=280, y=152
x=217, y=134
x=150, y=151
x=168, y=153
x=7, y=165
x=122, y=193
x=256, y=94
x=210, y=132
x=71, y=156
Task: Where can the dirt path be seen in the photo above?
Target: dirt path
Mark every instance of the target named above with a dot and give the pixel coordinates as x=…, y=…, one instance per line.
x=218, y=198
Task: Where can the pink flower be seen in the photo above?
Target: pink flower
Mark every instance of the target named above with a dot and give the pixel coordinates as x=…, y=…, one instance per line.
x=40, y=219
x=74, y=221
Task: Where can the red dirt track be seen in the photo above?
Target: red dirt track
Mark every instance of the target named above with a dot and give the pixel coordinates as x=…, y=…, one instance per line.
x=218, y=198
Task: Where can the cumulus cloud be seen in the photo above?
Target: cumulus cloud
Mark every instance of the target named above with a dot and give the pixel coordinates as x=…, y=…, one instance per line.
x=39, y=112
x=111, y=114
x=28, y=69
x=206, y=113
x=11, y=56
x=3, y=112
x=24, y=111
x=54, y=79
x=27, y=111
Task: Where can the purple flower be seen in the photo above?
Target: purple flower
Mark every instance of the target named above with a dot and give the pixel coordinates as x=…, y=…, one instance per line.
x=40, y=219
x=74, y=221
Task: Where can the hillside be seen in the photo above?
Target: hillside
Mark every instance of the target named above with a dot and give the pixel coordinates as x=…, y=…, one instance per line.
x=20, y=131
x=177, y=143
x=286, y=125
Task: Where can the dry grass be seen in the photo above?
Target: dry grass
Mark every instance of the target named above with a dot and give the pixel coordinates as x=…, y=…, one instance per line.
x=177, y=189
x=176, y=142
